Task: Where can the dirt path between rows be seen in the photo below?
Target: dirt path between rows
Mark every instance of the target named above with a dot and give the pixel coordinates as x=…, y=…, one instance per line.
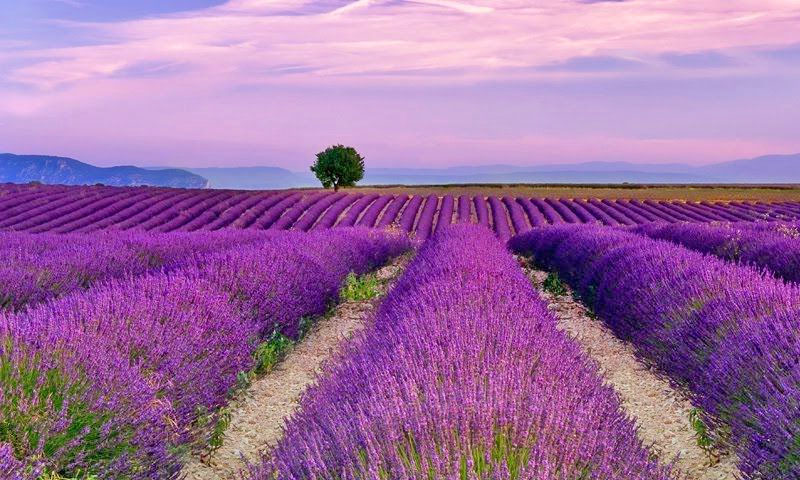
x=662, y=412
x=258, y=415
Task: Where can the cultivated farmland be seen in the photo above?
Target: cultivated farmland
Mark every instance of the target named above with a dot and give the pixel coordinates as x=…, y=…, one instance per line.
x=154, y=333
x=60, y=209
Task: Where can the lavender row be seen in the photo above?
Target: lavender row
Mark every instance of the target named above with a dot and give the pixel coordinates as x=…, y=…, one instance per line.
x=96, y=219
x=34, y=268
x=409, y=214
x=332, y=214
x=389, y=217
x=208, y=215
x=445, y=216
x=464, y=209
x=463, y=374
x=177, y=215
x=370, y=217
x=70, y=209
x=726, y=332
x=89, y=209
x=499, y=218
x=426, y=217
x=236, y=212
x=274, y=212
x=112, y=381
x=290, y=216
x=775, y=249
x=141, y=214
x=262, y=208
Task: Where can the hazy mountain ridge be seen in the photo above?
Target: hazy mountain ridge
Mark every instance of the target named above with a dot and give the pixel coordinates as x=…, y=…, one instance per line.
x=764, y=169
x=68, y=171
x=253, y=178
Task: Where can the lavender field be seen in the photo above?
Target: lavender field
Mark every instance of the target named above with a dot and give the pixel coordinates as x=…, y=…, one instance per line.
x=145, y=332
x=63, y=209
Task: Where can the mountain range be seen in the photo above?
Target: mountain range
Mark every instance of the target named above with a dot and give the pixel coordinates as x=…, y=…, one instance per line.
x=68, y=171
x=780, y=169
x=766, y=169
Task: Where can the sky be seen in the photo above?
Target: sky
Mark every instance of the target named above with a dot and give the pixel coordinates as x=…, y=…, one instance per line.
x=409, y=83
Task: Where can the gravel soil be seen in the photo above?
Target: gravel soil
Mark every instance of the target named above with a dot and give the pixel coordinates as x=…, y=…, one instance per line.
x=258, y=414
x=661, y=411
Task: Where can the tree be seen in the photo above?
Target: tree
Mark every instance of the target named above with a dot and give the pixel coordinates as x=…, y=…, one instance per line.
x=338, y=166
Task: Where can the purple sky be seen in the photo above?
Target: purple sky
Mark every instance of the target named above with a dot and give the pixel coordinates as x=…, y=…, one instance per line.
x=410, y=83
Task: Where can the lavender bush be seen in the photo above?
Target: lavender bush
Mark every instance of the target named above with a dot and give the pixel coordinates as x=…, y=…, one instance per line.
x=576, y=207
x=332, y=215
x=213, y=212
x=463, y=374
x=726, y=332
x=560, y=206
x=60, y=209
x=11, y=468
x=482, y=211
x=264, y=219
x=426, y=217
x=290, y=216
x=517, y=214
x=310, y=216
x=371, y=215
x=113, y=380
x=356, y=209
x=143, y=212
x=499, y=219
x=34, y=268
x=390, y=215
x=298, y=274
x=246, y=217
x=464, y=209
x=74, y=405
x=446, y=209
x=775, y=248
x=410, y=213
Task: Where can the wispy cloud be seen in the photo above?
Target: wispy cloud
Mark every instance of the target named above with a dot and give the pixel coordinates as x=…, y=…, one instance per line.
x=789, y=54
x=700, y=60
x=598, y=63
x=362, y=37
x=71, y=3
x=273, y=72
x=458, y=6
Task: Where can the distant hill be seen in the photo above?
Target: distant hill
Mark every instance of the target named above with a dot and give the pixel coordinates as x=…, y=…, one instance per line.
x=388, y=176
x=765, y=169
x=252, y=178
x=266, y=178
x=68, y=171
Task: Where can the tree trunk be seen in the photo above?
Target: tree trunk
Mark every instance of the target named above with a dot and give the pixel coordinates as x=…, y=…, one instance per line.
x=335, y=187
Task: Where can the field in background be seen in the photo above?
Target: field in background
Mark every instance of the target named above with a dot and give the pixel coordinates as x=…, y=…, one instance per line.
x=653, y=192
x=64, y=209
x=690, y=307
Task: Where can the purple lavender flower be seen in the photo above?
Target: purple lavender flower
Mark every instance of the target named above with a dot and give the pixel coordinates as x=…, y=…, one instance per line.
x=109, y=381
x=463, y=374
x=727, y=332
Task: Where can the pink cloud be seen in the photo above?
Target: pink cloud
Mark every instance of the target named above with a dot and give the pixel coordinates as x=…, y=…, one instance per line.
x=413, y=81
x=373, y=39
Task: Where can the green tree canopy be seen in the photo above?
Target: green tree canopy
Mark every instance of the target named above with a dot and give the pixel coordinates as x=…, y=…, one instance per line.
x=338, y=166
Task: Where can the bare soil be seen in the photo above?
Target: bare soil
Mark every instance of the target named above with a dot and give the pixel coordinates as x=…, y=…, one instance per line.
x=259, y=414
x=661, y=411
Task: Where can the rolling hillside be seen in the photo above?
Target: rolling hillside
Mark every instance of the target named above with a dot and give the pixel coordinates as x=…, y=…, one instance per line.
x=68, y=171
